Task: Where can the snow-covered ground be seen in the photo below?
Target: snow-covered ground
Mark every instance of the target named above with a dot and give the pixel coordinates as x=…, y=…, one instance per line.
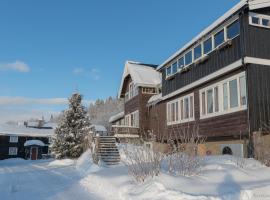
x=220, y=179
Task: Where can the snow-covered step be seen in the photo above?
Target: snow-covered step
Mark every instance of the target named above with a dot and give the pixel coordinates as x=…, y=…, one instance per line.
x=107, y=150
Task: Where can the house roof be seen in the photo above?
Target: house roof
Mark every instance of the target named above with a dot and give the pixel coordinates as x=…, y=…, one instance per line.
x=98, y=128
x=253, y=4
x=117, y=117
x=21, y=130
x=144, y=75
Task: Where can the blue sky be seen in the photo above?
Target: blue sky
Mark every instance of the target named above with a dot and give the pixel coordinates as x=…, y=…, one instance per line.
x=51, y=48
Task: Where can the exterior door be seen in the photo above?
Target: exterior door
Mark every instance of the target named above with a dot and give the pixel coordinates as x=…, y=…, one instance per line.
x=34, y=153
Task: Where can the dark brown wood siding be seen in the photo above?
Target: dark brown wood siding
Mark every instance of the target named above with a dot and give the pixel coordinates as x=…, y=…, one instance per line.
x=234, y=125
x=258, y=79
x=256, y=42
x=217, y=60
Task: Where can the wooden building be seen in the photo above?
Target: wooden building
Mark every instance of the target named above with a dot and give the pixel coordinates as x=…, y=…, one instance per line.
x=20, y=141
x=219, y=82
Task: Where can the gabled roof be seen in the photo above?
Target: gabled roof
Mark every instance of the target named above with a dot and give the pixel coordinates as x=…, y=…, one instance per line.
x=144, y=75
x=253, y=4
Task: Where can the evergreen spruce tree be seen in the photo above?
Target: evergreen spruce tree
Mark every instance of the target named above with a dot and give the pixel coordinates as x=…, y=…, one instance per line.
x=72, y=130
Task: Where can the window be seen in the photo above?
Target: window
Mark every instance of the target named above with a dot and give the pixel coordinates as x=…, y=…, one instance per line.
x=210, y=101
x=207, y=46
x=12, y=151
x=255, y=20
x=197, y=52
x=224, y=97
x=233, y=93
x=188, y=58
x=133, y=91
x=174, y=68
x=219, y=38
x=180, y=110
x=259, y=20
x=132, y=119
x=266, y=22
x=169, y=71
x=181, y=63
x=13, y=139
x=233, y=30
x=243, y=91
x=149, y=90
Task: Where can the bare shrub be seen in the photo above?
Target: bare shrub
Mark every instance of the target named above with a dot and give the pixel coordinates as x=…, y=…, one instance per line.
x=184, y=159
x=142, y=162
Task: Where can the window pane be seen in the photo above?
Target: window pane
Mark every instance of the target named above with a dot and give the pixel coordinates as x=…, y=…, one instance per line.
x=233, y=30
x=203, y=103
x=172, y=112
x=174, y=68
x=243, y=91
x=168, y=71
x=225, y=96
x=186, y=106
x=233, y=93
x=216, y=99
x=176, y=111
x=182, y=110
x=181, y=62
x=191, y=106
x=210, y=101
x=255, y=20
x=207, y=46
x=265, y=22
x=219, y=38
x=188, y=58
x=198, y=52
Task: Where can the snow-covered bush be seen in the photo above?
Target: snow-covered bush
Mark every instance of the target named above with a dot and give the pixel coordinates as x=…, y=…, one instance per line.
x=261, y=149
x=142, y=162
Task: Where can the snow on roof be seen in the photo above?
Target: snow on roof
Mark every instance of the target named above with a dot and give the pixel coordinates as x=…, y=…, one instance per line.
x=233, y=10
x=117, y=117
x=141, y=74
x=21, y=130
x=34, y=142
x=154, y=99
x=98, y=128
x=257, y=4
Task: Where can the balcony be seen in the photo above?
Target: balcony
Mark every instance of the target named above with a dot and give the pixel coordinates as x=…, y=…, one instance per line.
x=121, y=131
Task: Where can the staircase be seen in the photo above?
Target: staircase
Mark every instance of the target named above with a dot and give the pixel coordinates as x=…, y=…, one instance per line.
x=107, y=150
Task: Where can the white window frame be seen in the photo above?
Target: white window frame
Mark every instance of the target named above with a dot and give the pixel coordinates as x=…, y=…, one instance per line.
x=221, y=110
x=202, y=40
x=136, y=118
x=145, y=90
x=261, y=17
x=13, y=139
x=178, y=101
x=11, y=152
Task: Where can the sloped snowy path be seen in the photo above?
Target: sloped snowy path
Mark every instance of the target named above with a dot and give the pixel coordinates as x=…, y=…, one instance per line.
x=40, y=180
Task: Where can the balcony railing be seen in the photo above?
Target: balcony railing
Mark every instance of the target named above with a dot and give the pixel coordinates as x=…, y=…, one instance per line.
x=120, y=130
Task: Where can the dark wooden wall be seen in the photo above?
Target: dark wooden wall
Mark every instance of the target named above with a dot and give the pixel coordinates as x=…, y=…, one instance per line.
x=258, y=96
x=233, y=125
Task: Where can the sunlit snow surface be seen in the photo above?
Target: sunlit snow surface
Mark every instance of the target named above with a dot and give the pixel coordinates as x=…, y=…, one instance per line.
x=221, y=179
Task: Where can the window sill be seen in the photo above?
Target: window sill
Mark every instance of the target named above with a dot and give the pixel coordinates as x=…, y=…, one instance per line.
x=223, y=113
x=202, y=59
x=224, y=45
